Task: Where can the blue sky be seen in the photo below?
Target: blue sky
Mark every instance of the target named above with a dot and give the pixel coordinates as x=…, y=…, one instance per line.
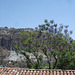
x=31, y=13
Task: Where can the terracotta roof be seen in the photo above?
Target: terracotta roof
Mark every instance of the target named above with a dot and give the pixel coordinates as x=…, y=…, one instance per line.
x=22, y=71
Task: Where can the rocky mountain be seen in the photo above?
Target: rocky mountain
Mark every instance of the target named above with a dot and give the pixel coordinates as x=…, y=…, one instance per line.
x=9, y=38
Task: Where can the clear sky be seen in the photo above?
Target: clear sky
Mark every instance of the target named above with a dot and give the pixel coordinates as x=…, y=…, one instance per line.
x=31, y=13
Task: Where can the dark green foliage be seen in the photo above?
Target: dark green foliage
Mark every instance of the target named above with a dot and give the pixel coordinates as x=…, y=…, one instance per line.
x=40, y=57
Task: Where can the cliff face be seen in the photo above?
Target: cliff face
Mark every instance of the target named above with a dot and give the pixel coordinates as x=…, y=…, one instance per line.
x=6, y=42
x=9, y=37
x=6, y=45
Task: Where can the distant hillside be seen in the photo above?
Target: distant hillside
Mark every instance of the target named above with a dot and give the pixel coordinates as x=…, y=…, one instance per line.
x=9, y=37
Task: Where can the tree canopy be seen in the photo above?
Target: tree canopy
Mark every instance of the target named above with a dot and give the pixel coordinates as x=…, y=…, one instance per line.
x=51, y=45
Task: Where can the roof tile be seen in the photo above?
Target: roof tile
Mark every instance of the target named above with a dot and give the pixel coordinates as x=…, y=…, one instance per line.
x=22, y=71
